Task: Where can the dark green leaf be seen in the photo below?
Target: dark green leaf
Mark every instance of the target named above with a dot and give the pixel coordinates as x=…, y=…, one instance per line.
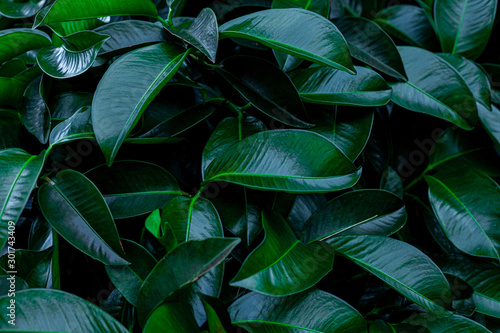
x=371, y=45
x=10, y=129
x=12, y=88
x=6, y=283
x=363, y=212
x=217, y=315
x=116, y=108
x=77, y=211
x=76, y=127
x=438, y=324
x=14, y=42
x=133, y=188
x=12, y=67
x=74, y=57
x=392, y=182
x=444, y=94
x=56, y=311
x=281, y=265
x=400, y=265
x=32, y=266
x=325, y=313
x=63, y=29
x=172, y=317
x=294, y=31
x=491, y=122
x=324, y=85
x=34, y=111
x=67, y=104
x=20, y=9
x=263, y=161
x=321, y=7
x=41, y=236
x=464, y=26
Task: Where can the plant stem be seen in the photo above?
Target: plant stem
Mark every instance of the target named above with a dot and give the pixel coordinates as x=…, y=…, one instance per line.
x=165, y=23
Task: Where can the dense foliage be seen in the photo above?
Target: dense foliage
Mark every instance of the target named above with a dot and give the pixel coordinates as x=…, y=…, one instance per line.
x=257, y=165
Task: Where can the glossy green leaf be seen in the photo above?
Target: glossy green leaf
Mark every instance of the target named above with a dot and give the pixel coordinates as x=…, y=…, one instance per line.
x=12, y=67
x=32, y=266
x=217, y=315
x=20, y=9
x=362, y=212
x=408, y=23
x=74, y=57
x=321, y=7
x=181, y=267
x=226, y=134
x=128, y=279
x=281, y=265
x=116, y=108
x=63, y=29
x=20, y=172
x=6, y=283
x=57, y=311
x=14, y=42
x=392, y=182
x=266, y=87
x=12, y=88
x=127, y=35
x=371, y=45
x=76, y=127
x=34, y=113
x=465, y=201
x=67, y=104
x=75, y=208
x=10, y=129
x=493, y=73
x=438, y=324
x=434, y=87
x=147, y=187
x=491, y=122
x=41, y=236
x=203, y=33
x=402, y=266
x=263, y=161
x=464, y=26
x=294, y=31
x=324, y=85
x=473, y=76
x=309, y=311
x=70, y=10
x=172, y=317
x=287, y=62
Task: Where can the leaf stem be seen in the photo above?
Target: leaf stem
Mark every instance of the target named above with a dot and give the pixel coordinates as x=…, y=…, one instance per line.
x=190, y=211
x=166, y=24
x=416, y=180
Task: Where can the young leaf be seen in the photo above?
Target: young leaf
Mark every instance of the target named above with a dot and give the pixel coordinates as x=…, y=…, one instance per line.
x=263, y=161
x=181, y=267
x=75, y=208
x=325, y=313
x=294, y=31
x=444, y=94
x=32, y=266
x=116, y=108
x=74, y=57
x=34, y=112
x=465, y=201
x=324, y=85
x=20, y=9
x=203, y=33
x=281, y=265
x=69, y=10
x=464, y=26
x=371, y=45
x=14, y=42
x=147, y=187
x=362, y=212
x=400, y=265
x=57, y=311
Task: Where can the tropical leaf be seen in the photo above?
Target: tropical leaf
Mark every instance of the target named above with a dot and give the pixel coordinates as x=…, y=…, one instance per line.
x=76, y=127
x=32, y=266
x=438, y=324
x=34, y=113
x=20, y=9
x=14, y=42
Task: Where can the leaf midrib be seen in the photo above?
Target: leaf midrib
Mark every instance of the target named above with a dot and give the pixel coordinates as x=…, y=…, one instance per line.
x=455, y=42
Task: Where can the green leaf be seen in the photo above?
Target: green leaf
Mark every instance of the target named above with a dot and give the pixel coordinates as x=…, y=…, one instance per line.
x=12, y=88
x=294, y=31
x=324, y=85
x=76, y=127
x=20, y=9
x=491, y=122
x=408, y=23
x=493, y=73
x=128, y=279
x=34, y=112
x=6, y=281
x=217, y=315
x=181, y=267
x=438, y=324
x=12, y=67
x=464, y=26
x=32, y=266
x=400, y=265
x=41, y=236
x=203, y=33
x=67, y=104
x=10, y=129
x=281, y=265
x=20, y=172
x=362, y=212
x=72, y=10
x=262, y=161
x=128, y=35
x=321, y=7
x=133, y=188
x=74, y=57
x=473, y=76
x=266, y=87
x=116, y=108
x=465, y=201
x=57, y=311
x=14, y=42
x=172, y=317
x=444, y=94
x=63, y=29
x=227, y=133
x=371, y=45
x=325, y=313
x=77, y=211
